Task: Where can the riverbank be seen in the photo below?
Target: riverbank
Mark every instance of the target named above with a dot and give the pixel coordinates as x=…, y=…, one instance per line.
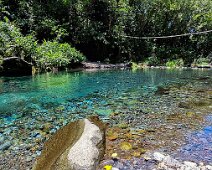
x=15, y=66
x=98, y=65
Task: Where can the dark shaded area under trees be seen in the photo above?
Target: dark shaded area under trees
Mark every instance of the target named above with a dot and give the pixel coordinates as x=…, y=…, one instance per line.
x=97, y=28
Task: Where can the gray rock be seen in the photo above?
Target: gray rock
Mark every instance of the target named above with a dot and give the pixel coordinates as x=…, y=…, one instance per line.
x=5, y=146
x=2, y=139
x=202, y=168
x=208, y=167
x=84, y=154
x=169, y=161
x=114, y=168
x=29, y=158
x=76, y=146
x=108, y=162
x=97, y=65
x=158, y=156
x=190, y=164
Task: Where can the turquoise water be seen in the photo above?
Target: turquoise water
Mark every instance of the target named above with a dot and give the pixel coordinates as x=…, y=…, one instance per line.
x=47, y=91
x=28, y=103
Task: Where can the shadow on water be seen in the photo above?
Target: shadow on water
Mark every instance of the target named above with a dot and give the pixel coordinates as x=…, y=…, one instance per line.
x=198, y=146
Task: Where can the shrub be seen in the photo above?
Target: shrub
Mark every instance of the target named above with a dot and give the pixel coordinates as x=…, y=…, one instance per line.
x=134, y=66
x=175, y=63
x=13, y=43
x=48, y=54
x=171, y=64
x=1, y=59
x=202, y=61
x=153, y=61
x=54, y=54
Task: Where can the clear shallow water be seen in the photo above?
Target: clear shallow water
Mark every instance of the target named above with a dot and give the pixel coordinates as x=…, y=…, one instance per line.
x=20, y=94
x=27, y=103
x=198, y=147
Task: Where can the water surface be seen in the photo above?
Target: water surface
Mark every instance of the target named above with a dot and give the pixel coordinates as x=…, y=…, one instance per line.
x=27, y=104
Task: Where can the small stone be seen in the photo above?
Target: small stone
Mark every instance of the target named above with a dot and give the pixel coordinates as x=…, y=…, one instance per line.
x=146, y=157
x=38, y=153
x=28, y=159
x=112, y=136
x=201, y=164
x=52, y=131
x=202, y=168
x=190, y=164
x=208, y=167
x=8, y=131
x=114, y=155
x=2, y=139
x=123, y=126
x=158, y=156
x=108, y=162
x=119, y=165
x=46, y=127
x=142, y=150
x=136, y=154
x=125, y=146
x=171, y=161
x=190, y=114
x=5, y=146
x=114, y=168
x=162, y=165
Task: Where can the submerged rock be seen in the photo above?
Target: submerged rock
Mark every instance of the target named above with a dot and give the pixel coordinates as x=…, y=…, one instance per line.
x=194, y=104
x=5, y=146
x=162, y=90
x=2, y=138
x=125, y=146
x=78, y=145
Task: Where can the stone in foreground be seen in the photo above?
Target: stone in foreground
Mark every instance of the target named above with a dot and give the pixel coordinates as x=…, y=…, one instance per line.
x=84, y=154
x=77, y=146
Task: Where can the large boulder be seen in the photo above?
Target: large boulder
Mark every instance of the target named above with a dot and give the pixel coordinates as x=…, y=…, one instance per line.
x=77, y=146
x=84, y=155
x=14, y=66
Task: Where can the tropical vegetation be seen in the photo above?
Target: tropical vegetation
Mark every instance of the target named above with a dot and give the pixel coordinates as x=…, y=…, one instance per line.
x=53, y=32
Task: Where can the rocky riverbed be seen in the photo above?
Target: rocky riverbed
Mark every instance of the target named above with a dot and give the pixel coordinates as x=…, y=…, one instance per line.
x=167, y=118
x=153, y=161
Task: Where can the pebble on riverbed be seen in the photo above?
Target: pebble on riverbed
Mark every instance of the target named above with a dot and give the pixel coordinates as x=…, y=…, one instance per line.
x=146, y=121
x=155, y=161
x=5, y=146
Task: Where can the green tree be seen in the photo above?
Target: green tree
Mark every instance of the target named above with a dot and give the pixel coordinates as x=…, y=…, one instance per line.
x=98, y=28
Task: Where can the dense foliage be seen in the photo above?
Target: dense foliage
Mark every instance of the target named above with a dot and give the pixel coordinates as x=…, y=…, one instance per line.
x=56, y=54
x=13, y=43
x=98, y=28
x=47, y=54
